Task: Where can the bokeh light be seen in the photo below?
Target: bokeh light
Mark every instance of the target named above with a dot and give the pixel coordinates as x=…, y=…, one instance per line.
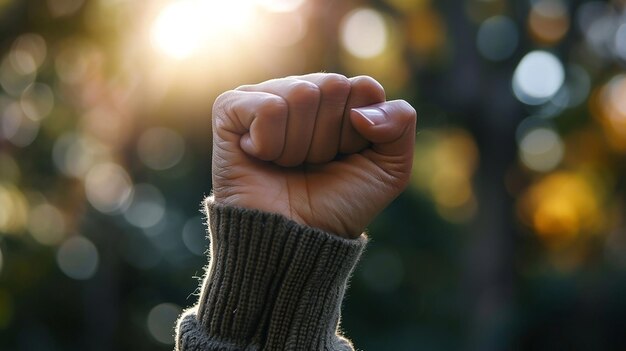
x=615, y=98
x=562, y=206
x=538, y=77
x=194, y=236
x=75, y=60
x=13, y=79
x=28, y=53
x=364, y=33
x=78, y=258
x=46, y=224
x=160, y=148
x=17, y=127
x=444, y=164
x=589, y=13
x=373, y=45
x=75, y=154
x=576, y=89
x=620, y=42
x=161, y=320
x=62, y=8
x=147, y=206
x=426, y=32
x=599, y=22
x=497, y=38
x=609, y=106
x=548, y=21
x=107, y=123
x=37, y=101
x=108, y=187
x=13, y=209
x=541, y=149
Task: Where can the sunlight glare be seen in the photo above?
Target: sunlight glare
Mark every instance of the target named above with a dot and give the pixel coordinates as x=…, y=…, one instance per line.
x=280, y=5
x=185, y=26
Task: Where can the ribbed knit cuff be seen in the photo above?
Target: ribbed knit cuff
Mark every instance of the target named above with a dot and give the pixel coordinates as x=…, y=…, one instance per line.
x=271, y=284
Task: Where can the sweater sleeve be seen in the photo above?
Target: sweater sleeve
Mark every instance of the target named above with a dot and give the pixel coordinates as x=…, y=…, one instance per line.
x=271, y=284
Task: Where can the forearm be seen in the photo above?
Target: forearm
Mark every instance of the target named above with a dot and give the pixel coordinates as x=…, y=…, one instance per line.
x=271, y=284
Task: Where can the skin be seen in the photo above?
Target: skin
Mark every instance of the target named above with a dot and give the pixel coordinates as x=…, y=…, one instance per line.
x=321, y=149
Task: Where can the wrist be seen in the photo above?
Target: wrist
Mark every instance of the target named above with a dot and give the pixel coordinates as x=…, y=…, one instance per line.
x=331, y=223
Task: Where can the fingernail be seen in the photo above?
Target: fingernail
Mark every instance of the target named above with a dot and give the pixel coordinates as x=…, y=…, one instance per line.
x=373, y=115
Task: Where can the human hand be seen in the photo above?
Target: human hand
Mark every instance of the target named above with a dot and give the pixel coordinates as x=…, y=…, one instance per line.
x=323, y=150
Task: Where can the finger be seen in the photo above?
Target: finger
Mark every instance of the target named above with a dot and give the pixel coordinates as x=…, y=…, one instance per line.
x=302, y=99
x=334, y=92
x=390, y=127
x=364, y=91
x=256, y=121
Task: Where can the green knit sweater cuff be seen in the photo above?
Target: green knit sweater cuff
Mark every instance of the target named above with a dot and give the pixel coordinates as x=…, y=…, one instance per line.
x=271, y=284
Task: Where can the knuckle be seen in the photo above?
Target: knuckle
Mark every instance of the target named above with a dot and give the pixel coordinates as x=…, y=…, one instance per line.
x=336, y=84
x=365, y=80
x=272, y=107
x=303, y=93
x=223, y=101
x=246, y=87
x=221, y=107
x=368, y=83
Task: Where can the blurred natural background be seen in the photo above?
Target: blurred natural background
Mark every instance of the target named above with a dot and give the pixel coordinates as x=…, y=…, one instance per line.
x=512, y=235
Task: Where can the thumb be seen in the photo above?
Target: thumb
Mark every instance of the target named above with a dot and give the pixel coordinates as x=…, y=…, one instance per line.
x=390, y=127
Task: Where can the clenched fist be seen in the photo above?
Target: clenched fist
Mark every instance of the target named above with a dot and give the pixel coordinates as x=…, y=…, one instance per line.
x=321, y=149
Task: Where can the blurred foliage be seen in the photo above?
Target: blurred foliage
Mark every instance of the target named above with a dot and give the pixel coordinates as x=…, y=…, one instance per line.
x=511, y=236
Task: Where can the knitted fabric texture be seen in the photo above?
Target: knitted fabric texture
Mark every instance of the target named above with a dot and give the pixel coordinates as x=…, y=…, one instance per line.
x=271, y=284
